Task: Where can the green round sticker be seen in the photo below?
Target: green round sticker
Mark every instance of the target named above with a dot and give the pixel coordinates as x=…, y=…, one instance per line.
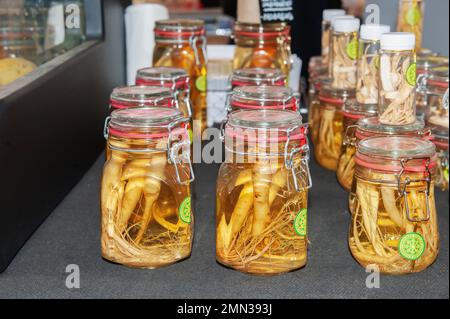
x=412, y=246
x=446, y=174
x=185, y=211
x=411, y=74
x=191, y=135
x=300, y=222
x=352, y=49
x=200, y=83
x=413, y=16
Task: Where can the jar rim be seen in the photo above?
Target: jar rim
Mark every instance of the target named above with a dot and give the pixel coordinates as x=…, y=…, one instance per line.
x=179, y=28
x=265, y=119
x=425, y=63
x=396, y=147
x=267, y=30
x=263, y=97
x=373, y=125
x=332, y=95
x=258, y=74
x=174, y=78
x=144, y=118
x=355, y=110
x=140, y=94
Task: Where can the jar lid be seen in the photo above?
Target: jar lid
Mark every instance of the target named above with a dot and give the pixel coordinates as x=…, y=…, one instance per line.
x=373, y=31
x=175, y=78
x=346, y=16
x=397, y=147
x=179, y=27
x=373, y=125
x=263, y=97
x=346, y=24
x=354, y=110
x=266, y=30
x=398, y=41
x=132, y=96
x=248, y=76
x=328, y=94
x=329, y=14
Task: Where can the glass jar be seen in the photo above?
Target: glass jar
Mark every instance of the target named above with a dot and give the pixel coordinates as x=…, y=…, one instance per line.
x=344, y=53
x=257, y=77
x=316, y=68
x=141, y=96
x=314, y=105
x=371, y=127
x=436, y=92
x=327, y=16
x=394, y=221
x=146, y=212
x=352, y=113
x=175, y=79
x=440, y=139
x=262, y=193
x=368, y=63
x=397, y=79
x=425, y=67
x=263, y=98
x=182, y=44
x=410, y=19
x=328, y=146
x=263, y=46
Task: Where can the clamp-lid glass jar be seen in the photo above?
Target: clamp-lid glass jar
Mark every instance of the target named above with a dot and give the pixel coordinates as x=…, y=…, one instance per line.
x=141, y=96
x=175, y=79
x=397, y=79
x=263, y=46
x=262, y=192
x=352, y=113
x=365, y=128
x=328, y=146
x=440, y=139
x=182, y=44
x=257, y=77
x=436, y=91
x=263, y=98
x=146, y=213
x=394, y=223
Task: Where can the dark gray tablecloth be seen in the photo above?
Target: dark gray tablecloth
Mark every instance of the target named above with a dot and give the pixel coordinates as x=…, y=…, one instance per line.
x=71, y=236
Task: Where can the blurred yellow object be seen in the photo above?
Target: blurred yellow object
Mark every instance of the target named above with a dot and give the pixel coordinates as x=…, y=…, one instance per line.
x=13, y=68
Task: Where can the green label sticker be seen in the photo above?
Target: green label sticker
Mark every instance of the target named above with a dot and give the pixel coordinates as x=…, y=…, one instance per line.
x=411, y=74
x=301, y=223
x=413, y=16
x=352, y=49
x=446, y=174
x=412, y=246
x=377, y=61
x=200, y=83
x=185, y=211
x=191, y=135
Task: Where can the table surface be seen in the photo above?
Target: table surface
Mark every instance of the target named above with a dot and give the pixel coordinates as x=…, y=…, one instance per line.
x=71, y=236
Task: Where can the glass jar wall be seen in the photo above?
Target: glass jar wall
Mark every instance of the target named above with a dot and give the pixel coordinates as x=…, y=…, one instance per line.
x=142, y=96
x=262, y=193
x=263, y=46
x=257, y=77
x=394, y=223
x=146, y=212
x=182, y=44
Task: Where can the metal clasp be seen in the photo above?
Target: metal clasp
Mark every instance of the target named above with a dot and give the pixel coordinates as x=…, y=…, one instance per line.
x=193, y=41
x=422, y=80
x=402, y=188
x=303, y=168
x=349, y=138
x=173, y=152
x=106, y=128
x=445, y=101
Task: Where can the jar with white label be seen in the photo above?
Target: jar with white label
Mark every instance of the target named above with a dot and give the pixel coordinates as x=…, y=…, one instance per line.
x=146, y=213
x=262, y=193
x=397, y=105
x=394, y=222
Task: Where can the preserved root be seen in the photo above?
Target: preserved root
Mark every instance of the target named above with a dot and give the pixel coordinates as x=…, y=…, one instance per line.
x=326, y=34
x=314, y=119
x=329, y=142
x=379, y=221
x=367, y=83
x=346, y=167
x=260, y=237
x=397, y=93
x=441, y=178
x=343, y=64
x=410, y=19
x=140, y=223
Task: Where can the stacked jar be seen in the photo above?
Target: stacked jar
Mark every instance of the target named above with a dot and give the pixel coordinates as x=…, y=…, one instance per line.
x=263, y=46
x=182, y=44
x=332, y=97
x=146, y=213
x=176, y=79
x=366, y=103
x=262, y=193
x=257, y=77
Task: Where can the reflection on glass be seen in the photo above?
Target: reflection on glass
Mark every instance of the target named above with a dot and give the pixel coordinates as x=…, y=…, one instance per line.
x=33, y=32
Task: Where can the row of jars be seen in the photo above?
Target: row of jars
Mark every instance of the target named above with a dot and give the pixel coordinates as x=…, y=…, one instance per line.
x=386, y=162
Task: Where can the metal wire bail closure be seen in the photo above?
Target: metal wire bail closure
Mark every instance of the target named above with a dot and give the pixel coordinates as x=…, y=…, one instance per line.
x=303, y=169
x=402, y=186
x=193, y=42
x=106, y=128
x=175, y=148
x=422, y=80
x=445, y=101
x=349, y=138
